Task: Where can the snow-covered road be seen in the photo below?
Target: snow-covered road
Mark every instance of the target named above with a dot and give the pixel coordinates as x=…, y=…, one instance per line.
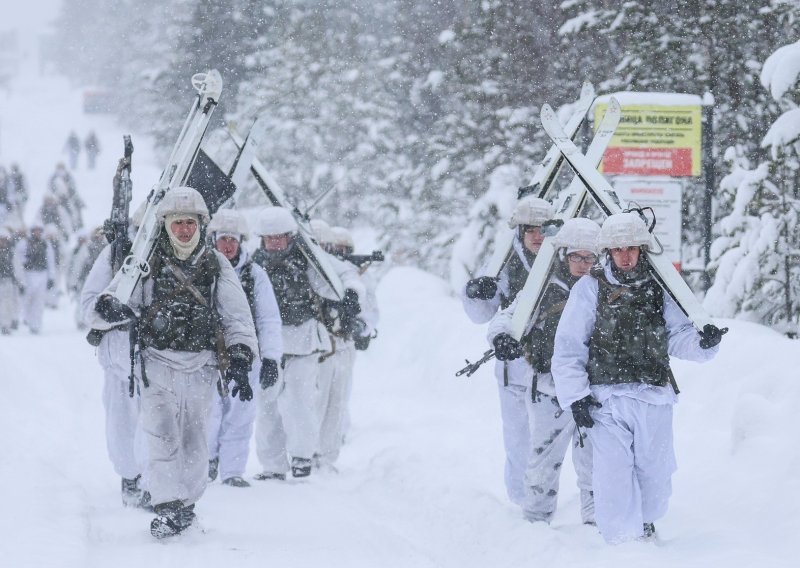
x=420, y=479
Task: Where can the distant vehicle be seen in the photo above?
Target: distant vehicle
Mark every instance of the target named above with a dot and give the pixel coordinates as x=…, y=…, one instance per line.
x=97, y=100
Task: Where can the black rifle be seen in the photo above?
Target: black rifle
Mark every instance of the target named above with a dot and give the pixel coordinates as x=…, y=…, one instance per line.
x=472, y=367
x=362, y=259
x=116, y=226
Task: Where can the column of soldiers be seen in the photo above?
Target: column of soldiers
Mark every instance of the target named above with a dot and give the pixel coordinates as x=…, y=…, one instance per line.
x=216, y=338
x=592, y=371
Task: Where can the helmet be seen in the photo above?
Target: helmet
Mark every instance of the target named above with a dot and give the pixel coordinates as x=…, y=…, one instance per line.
x=275, y=221
x=531, y=210
x=183, y=200
x=341, y=237
x=321, y=231
x=623, y=230
x=138, y=215
x=578, y=233
x=228, y=221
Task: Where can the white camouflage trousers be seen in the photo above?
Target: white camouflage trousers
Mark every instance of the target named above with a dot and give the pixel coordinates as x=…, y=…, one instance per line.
x=230, y=428
x=34, y=299
x=335, y=376
x=123, y=435
x=551, y=432
x=174, y=414
x=287, y=423
x=516, y=439
x=633, y=465
x=9, y=303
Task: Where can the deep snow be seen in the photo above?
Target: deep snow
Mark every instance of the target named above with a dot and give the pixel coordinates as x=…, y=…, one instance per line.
x=420, y=479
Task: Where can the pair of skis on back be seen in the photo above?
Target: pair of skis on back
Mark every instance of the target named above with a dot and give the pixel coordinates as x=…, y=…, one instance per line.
x=189, y=165
x=587, y=182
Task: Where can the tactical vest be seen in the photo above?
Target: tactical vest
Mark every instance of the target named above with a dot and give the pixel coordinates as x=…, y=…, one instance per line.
x=629, y=342
x=36, y=255
x=7, y=262
x=296, y=298
x=517, y=275
x=175, y=318
x=538, y=343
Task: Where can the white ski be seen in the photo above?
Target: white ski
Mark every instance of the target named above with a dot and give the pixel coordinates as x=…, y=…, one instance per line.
x=569, y=206
x=311, y=250
x=179, y=165
x=543, y=179
x=603, y=194
x=248, y=151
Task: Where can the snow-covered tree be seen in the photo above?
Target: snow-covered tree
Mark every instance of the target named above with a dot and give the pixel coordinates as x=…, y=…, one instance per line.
x=756, y=260
x=691, y=46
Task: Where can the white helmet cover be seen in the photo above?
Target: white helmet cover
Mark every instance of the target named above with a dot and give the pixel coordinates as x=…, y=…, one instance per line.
x=578, y=233
x=531, y=210
x=183, y=200
x=342, y=237
x=623, y=230
x=228, y=221
x=321, y=231
x=275, y=221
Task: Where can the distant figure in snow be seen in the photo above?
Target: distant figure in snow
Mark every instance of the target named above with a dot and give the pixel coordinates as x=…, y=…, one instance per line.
x=39, y=266
x=18, y=189
x=92, y=146
x=62, y=188
x=73, y=147
x=10, y=282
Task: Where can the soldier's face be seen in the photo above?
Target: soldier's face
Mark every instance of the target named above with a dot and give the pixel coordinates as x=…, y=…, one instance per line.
x=533, y=238
x=276, y=242
x=625, y=258
x=184, y=229
x=228, y=246
x=580, y=262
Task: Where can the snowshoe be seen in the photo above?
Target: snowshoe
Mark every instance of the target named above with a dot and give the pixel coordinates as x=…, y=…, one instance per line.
x=235, y=481
x=213, y=469
x=301, y=467
x=265, y=475
x=173, y=518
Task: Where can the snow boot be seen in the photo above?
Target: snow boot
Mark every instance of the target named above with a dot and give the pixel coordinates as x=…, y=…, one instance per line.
x=265, y=475
x=235, y=481
x=131, y=492
x=173, y=518
x=213, y=469
x=649, y=531
x=301, y=467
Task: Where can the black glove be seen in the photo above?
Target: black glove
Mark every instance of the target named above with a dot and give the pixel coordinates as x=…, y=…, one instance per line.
x=483, y=288
x=506, y=347
x=711, y=335
x=50, y=284
x=350, y=304
x=112, y=310
x=581, y=411
x=240, y=360
x=361, y=342
x=269, y=373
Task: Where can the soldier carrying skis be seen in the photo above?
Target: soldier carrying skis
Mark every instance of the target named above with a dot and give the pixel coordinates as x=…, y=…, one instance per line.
x=551, y=429
x=482, y=298
x=231, y=423
x=611, y=370
x=193, y=322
